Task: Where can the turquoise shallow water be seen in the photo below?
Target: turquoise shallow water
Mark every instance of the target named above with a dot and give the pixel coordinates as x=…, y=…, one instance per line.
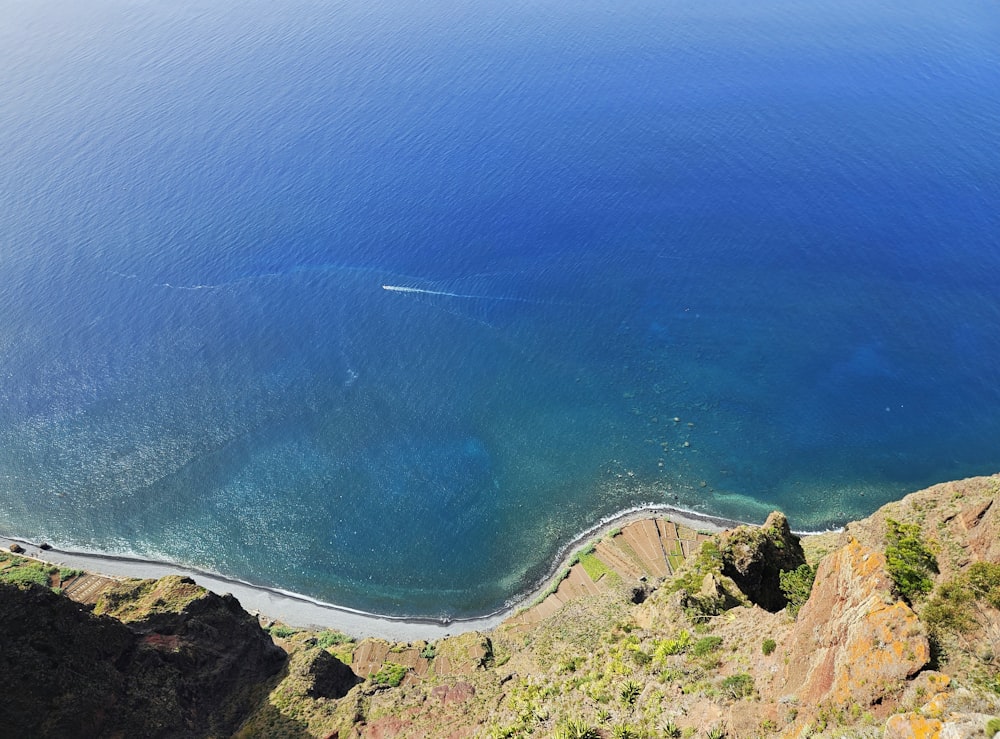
x=776, y=225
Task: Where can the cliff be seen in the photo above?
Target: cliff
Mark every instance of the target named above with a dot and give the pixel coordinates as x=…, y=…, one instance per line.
x=167, y=659
x=886, y=629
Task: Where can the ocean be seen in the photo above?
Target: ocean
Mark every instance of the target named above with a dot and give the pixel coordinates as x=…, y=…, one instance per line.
x=384, y=302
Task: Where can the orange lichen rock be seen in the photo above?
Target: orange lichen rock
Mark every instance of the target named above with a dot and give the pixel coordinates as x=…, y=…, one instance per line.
x=928, y=682
x=853, y=642
x=912, y=726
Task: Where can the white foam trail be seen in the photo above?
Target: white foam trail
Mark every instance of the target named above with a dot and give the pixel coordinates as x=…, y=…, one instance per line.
x=466, y=296
x=188, y=287
x=402, y=289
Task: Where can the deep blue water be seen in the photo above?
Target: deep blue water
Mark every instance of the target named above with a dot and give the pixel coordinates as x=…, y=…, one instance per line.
x=776, y=222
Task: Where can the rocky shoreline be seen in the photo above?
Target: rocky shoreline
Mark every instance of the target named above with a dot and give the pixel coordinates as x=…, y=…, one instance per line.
x=648, y=628
x=302, y=611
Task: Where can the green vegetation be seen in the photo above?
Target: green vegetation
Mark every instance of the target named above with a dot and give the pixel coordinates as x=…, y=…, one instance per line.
x=624, y=731
x=554, y=586
x=984, y=581
x=709, y=560
x=25, y=572
x=496, y=731
x=908, y=560
x=768, y=727
x=576, y=729
x=571, y=664
x=701, y=606
x=966, y=606
x=338, y=644
x=327, y=639
x=595, y=568
x=663, y=648
x=768, y=646
x=640, y=657
x=137, y=600
x=739, y=686
x=797, y=585
x=281, y=632
x=670, y=675
x=22, y=571
x=949, y=609
x=706, y=645
x=390, y=674
x=630, y=692
x=429, y=651
x=992, y=726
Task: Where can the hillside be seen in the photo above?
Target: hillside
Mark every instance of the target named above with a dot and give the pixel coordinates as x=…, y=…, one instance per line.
x=888, y=628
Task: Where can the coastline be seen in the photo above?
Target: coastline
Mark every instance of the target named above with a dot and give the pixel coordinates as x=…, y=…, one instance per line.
x=301, y=611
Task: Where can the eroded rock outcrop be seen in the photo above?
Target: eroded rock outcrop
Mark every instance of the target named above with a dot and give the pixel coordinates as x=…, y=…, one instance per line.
x=960, y=519
x=754, y=558
x=854, y=643
x=184, y=662
x=322, y=674
x=947, y=714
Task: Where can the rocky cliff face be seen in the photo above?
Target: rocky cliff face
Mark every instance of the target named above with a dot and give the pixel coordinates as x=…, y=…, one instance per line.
x=854, y=643
x=710, y=650
x=179, y=661
x=714, y=652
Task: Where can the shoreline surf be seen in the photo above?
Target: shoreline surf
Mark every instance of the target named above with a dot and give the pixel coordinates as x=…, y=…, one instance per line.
x=302, y=611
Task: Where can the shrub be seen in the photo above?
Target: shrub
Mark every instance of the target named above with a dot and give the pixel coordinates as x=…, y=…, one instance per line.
x=706, y=645
x=390, y=674
x=640, y=657
x=797, y=585
x=739, y=685
x=624, y=731
x=949, y=608
x=671, y=730
x=768, y=646
x=331, y=639
x=429, y=652
x=984, y=581
x=282, y=632
x=965, y=606
x=908, y=559
x=708, y=560
x=571, y=664
x=992, y=727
